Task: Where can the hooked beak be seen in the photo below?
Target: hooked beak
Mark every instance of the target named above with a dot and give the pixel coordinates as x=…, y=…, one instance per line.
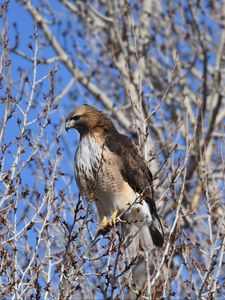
x=67, y=124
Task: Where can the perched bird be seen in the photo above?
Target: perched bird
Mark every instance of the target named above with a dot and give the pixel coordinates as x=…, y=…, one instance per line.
x=110, y=171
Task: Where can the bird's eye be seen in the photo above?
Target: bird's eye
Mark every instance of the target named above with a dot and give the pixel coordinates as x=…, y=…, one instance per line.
x=76, y=118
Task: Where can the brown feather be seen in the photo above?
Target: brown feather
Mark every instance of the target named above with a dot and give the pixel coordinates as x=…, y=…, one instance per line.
x=128, y=165
x=138, y=176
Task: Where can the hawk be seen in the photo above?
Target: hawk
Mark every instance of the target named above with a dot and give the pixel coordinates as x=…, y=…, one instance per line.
x=110, y=171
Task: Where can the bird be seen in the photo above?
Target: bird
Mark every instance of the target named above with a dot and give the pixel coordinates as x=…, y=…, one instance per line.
x=110, y=171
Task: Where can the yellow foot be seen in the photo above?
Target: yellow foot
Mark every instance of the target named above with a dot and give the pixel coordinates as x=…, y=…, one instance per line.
x=107, y=225
x=112, y=221
x=104, y=223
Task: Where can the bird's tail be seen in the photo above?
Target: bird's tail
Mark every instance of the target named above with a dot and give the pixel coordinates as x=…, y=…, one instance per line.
x=150, y=236
x=144, y=237
x=156, y=231
x=137, y=241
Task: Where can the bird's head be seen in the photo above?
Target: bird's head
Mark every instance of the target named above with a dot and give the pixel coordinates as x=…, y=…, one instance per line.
x=86, y=118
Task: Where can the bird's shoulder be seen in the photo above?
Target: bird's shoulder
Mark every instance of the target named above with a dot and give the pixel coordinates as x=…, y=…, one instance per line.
x=133, y=166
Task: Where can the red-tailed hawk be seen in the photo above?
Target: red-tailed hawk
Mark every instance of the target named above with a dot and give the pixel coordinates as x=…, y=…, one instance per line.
x=109, y=170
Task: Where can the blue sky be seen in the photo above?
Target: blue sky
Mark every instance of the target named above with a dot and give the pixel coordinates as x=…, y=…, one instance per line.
x=17, y=14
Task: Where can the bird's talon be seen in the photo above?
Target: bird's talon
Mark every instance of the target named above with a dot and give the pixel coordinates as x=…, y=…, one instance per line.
x=107, y=225
x=113, y=219
x=103, y=224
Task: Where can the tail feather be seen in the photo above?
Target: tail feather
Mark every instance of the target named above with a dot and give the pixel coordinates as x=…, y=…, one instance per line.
x=157, y=237
x=156, y=230
x=140, y=239
x=144, y=238
x=146, y=241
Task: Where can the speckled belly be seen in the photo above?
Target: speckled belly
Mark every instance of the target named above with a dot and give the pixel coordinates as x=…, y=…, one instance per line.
x=99, y=178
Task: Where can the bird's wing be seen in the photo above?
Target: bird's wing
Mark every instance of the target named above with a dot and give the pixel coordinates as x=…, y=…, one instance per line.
x=133, y=167
x=136, y=173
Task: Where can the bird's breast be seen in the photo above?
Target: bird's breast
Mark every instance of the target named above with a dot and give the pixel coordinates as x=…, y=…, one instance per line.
x=98, y=175
x=87, y=159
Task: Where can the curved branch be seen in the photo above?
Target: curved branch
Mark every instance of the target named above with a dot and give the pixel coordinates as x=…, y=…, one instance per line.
x=78, y=74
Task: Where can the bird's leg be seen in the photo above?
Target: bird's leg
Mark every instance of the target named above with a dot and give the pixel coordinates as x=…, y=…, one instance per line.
x=107, y=225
